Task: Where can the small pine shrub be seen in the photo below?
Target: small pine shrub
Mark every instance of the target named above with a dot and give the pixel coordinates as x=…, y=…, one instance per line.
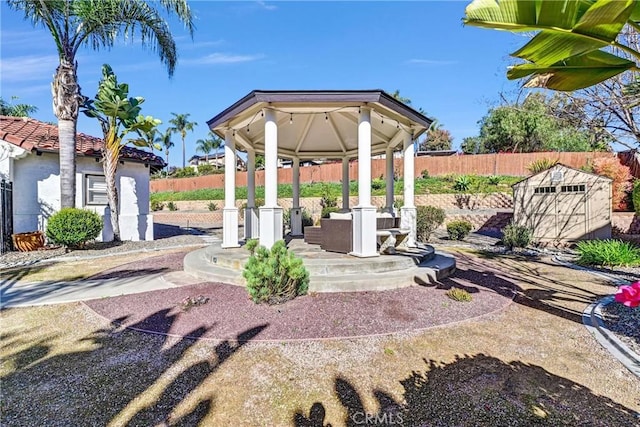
x=608, y=253
x=156, y=205
x=212, y=206
x=424, y=174
x=172, y=206
x=428, y=218
x=274, y=276
x=493, y=180
x=462, y=183
x=516, y=236
x=540, y=165
x=459, y=229
x=73, y=228
x=458, y=294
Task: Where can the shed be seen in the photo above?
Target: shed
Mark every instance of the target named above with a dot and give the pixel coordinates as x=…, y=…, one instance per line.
x=564, y=204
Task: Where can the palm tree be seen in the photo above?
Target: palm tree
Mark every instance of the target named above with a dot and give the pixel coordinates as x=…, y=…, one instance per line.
x=212, y=143
x=98, y=24
x=165, y=141
x=16, y=110
x=182, y=125
x=118, y=115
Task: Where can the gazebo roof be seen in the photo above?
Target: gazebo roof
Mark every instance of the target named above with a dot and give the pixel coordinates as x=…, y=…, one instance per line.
x=320, y=123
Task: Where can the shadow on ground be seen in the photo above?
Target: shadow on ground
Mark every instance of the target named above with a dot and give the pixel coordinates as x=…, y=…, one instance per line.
x=475, y=391
x=126, y=378
x=537, y=283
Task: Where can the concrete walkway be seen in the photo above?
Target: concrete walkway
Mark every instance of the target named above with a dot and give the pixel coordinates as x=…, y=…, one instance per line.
x=16, y=294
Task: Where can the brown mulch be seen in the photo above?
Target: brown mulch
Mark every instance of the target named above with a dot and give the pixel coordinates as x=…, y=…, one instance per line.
x=229, y=311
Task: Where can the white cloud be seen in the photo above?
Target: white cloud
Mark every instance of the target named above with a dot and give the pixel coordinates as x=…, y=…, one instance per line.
x=222, y=58
x=203, y=44
x=22, y=39
x=24, y=68
x=430, y=62
x=266, y=6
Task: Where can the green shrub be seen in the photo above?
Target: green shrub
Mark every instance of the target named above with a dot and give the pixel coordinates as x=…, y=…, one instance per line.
x=459, y=229
x=73, y=227
x=185, y=172
x=516, y=236
x=378, y=184
x=172, y=206
x=540, y=165
x=635, y=196
x=424, y=174
x=327, y=210
x=458, y=294
x=156, y=205
x=428, y=218
x=205, y=169
x=462, y=183
x=493, y=180
x=307, y=221
x=212, y=206
x=608, y=253
x=274, y=276
x=398, y=202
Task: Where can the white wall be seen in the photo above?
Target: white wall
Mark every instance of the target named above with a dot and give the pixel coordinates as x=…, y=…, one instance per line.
x=37, y=195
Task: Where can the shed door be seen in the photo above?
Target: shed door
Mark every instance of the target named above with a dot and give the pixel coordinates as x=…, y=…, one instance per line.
x=571, y=219
x=560, y=212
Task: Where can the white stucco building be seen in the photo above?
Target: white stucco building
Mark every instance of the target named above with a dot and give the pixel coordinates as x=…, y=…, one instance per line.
x=29, y=158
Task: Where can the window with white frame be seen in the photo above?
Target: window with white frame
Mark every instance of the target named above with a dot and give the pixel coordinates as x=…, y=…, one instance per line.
x=95, y=190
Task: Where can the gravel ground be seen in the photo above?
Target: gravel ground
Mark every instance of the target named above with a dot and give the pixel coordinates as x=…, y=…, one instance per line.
x=624, y=322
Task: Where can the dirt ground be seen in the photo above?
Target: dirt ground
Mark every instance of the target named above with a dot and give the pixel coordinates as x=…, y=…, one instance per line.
x=533, y=363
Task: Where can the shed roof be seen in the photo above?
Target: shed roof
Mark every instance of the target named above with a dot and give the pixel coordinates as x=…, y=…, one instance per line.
x=31, y=134
x=319, y=123
x=564, y=166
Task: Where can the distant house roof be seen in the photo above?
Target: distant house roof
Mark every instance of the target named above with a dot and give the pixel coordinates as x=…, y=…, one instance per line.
x=34, y=135
x=435, y=153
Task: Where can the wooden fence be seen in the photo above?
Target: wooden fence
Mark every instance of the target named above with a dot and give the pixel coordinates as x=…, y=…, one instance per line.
x=513, y=164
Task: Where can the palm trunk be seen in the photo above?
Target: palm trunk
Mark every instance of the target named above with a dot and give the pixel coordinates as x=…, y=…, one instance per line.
x=184, y=156
x=167, y=175
x=216, y=158
x=110, y=167
x=66, y=105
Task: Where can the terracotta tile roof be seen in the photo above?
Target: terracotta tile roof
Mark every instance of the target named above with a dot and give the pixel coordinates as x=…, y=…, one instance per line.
x=31, y=134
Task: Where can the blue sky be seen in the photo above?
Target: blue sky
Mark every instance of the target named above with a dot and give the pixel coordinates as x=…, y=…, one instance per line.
x=420, y=48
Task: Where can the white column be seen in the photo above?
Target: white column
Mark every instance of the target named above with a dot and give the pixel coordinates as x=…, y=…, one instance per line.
x=389, y=179
x=251, y=220
x=270, y=213
x=364, y=215
x=408, y=211
x=345, y=184
x=229, y=212
x=296, y=211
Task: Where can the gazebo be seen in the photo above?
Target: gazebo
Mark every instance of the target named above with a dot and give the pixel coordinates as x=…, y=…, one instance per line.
x=307, y=125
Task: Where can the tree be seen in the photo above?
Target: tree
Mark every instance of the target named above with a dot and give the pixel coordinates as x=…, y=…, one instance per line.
x=16, y=110
x=570, y=50
x=97, y=24
x=166, y=143
x=530, y=126
x=182, y=125
x=437, y=138
x=212, y=143
x=612, y=107
x=118, y=115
